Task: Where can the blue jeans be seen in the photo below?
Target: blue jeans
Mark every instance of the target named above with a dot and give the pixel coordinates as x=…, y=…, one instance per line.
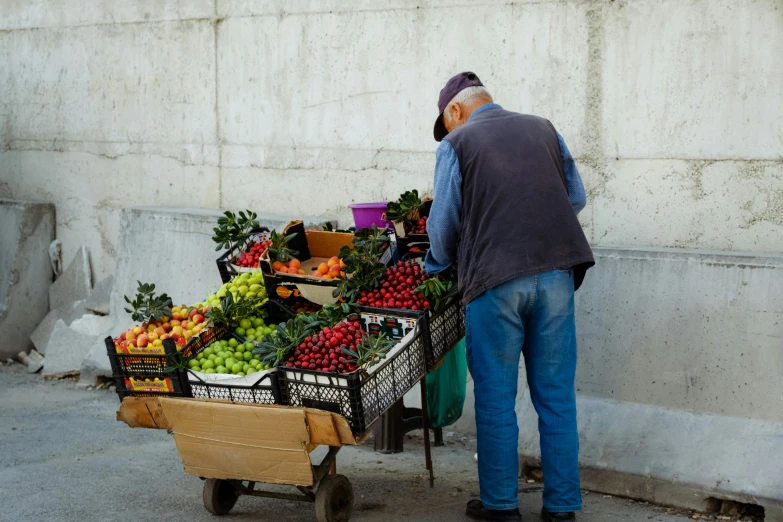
x=533, y=316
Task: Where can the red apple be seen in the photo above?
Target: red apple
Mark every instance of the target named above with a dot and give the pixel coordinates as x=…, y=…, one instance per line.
x=192, y=313
x=198, y=318
x=142, y=340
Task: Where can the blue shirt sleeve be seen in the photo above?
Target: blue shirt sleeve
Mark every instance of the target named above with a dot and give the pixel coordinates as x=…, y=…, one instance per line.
x=576, y=189
x=444, y=222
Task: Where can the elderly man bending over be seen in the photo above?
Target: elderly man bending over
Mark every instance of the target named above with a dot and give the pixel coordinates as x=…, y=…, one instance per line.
x=506, y=197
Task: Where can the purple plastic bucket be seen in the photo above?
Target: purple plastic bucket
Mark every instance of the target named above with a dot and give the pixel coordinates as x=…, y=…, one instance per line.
x=365, y=215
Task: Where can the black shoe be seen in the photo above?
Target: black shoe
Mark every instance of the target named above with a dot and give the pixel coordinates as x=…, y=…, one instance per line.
x=546, y=516
x=477, y=511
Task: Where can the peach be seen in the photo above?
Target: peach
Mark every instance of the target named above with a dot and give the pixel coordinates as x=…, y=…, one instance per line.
x=335, y=269
x=323, y=268
x=294, y=263
x=142, y=340
x=278, y=266
x=293, y=270
x=333, y=261
x=301, y=272
x=130, y=334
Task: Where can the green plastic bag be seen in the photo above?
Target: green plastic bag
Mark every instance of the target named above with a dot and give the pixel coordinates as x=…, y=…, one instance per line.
x=446, y=388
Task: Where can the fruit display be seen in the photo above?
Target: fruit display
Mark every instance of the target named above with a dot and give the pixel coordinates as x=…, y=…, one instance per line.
x=247, y=285
x=159, y=321
x=292, y=266
x=253, y=328
x=419, y=227
x=407, y=214
x=250, y=257
x=228, y=356
x=180, y=326
x=340, y=349
x=398, y=288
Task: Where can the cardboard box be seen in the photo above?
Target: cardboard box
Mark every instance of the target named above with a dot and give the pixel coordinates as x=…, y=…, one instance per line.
x=221, y=440
x=314, y=247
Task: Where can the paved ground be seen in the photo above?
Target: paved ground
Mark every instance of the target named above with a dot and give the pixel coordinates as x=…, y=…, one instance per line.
x=63, y=456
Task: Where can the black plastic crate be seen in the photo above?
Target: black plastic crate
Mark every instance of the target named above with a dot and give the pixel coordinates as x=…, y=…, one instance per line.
x=360, y=397
x=441, y=331
x=227, y=271
x=150, y=366
x=446, y=328
x=265, y=390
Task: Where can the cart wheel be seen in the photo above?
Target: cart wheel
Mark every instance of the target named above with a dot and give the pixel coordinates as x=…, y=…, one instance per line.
x=219, y=496
x=334, y=499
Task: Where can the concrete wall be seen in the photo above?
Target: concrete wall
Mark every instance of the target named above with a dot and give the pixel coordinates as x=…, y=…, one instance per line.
x=674, y=109
x=26, y=231
x=680, y=358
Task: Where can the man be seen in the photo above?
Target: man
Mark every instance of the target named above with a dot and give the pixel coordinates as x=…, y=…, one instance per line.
x=506, y=197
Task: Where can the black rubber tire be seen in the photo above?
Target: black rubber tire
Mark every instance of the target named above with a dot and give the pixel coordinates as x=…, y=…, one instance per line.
x=334, y=499
x=219, y=496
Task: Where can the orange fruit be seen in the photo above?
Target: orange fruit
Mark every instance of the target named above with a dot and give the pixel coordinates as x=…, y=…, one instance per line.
x=277, y=265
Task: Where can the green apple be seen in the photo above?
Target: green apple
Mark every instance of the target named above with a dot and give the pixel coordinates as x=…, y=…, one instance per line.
x=237, y=368
x=210, y=371
x=208, y=365
x=248, y=356
x=233, y=342
x=245, y=323
x=221, y=369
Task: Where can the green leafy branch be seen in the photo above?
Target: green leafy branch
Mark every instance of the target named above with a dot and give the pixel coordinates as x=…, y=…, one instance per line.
x=232, y=311
x=275, y=348
x=371, y=350
x=438, y=292
x=361, y=263
x=406, y=208
x=147, y=305
x=234, y=230
x=279, y=250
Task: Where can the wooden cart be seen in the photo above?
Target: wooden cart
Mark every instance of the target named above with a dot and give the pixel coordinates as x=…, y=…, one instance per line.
x=235, y=447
